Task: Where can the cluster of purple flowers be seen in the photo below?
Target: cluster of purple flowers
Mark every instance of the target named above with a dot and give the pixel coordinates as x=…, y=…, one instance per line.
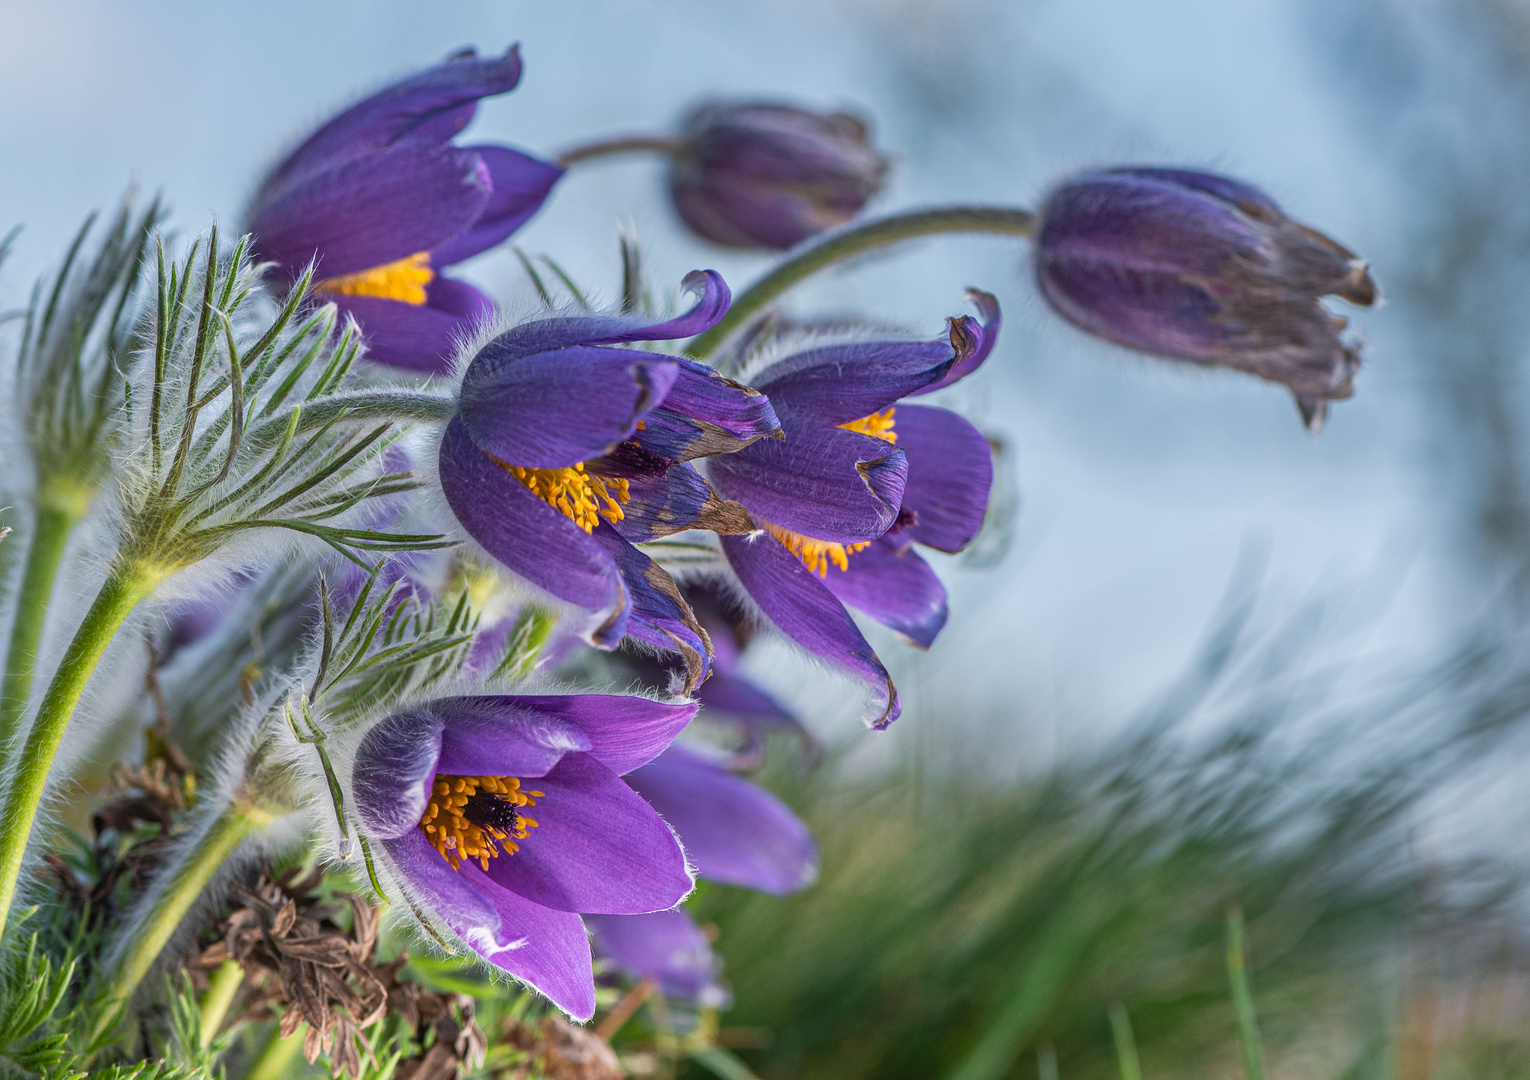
x=521, y=821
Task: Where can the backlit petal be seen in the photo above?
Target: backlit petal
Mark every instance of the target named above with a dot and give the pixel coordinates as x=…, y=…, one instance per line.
x=950, y=473
x=521, y=184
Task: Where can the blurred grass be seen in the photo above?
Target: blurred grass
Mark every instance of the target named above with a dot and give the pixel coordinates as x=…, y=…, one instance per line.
x=971, y=930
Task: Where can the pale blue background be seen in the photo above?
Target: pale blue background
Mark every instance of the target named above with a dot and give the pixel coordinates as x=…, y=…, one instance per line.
x=1396, y=126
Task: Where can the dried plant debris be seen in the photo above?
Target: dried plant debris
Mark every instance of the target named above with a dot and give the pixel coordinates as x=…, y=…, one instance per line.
x=557, y=1050
x=450, y=1040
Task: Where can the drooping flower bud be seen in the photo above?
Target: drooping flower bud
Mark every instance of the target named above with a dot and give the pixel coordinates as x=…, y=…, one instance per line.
x=763, y=175
x=1204, y=268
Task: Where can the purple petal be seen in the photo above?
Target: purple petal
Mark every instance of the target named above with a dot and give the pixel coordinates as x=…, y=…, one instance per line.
x=499, y=735
x=521, y=184
x=373, y=212
x=706, y=414
x=733, y=831
x=544, y=334
x=459, y=299
x=738, y=698
x=597, y=847
x=394, y=767
x=897, y=588
x=668, y=502
x=660, y=616
x=839, y=383
x=426, y=108
x=446, y=893
x=792, y=597
x=824, y=482
x=550, y=410
x=415, y=337
x=551, y=951
x=950, y=472
x=529, y=537
x=974, y=341
x=665, y=946
x=624, y=731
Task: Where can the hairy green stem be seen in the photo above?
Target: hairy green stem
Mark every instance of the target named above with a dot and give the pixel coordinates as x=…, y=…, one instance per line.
x=626, y=144
x=118, y=596
x=178, y=893
x=858, y=239
x=50, y=535
x=221, y=989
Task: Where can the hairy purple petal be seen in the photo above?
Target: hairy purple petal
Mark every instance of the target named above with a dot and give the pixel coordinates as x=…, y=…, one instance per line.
x=660, y=616
x=950, y=474
x=550, y=410
x=550, y=951
x=836, y=384
x=426, y=108
x=498, y=735
x=597, y=847
x=394, y=767
x=448, y=893
x=897, y=588
x=665, y=946
x=974, y=341
x=624, y=731
x=521, y=183
x=796, y=601
x=706, y=414
x=822, y=482
x=733, y=831
x=373, y=211
x=529, y=537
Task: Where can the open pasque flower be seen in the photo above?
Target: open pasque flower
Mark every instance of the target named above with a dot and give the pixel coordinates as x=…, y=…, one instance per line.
x=734, y=832
x=504, y=817
x=383, y=202
x=861, y=478
x=565, y=450
x=1202, y=267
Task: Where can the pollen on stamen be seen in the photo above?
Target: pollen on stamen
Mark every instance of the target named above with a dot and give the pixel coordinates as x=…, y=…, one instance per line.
x=582, y=497
x=879, y=425
x=404, y=280
x=816, y=555
x=475, y=817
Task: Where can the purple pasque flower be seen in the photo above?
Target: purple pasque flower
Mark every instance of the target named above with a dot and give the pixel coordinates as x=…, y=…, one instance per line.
x=505, y=817
x=859, y=480
x=734, y=832
x=566, y=450
x=768, y=175
x=1202, y=267
x=382, y=202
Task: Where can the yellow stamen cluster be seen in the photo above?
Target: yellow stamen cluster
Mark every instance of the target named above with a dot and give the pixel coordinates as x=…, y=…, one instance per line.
x=816, y=555
x=583, y=497
x=404, y=280
x=879, y=425
x=450, y=832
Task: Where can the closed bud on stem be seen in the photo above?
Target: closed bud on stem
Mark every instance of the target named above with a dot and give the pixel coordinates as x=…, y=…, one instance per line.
x=770, y=176
x=1201, y=267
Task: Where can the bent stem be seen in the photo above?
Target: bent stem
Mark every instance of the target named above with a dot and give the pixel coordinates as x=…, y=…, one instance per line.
x=118, y=596
x=50, y=535
x=181, y=889
x=626, y=144
x=858, y=239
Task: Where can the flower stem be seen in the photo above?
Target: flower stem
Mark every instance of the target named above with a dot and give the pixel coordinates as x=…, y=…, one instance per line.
x=276, y=1055
x=50, y=534
x=1243, y=998
x=858, y=239
x=117, y=598
x=221, y=990
x=626, y=144
x=178, y=892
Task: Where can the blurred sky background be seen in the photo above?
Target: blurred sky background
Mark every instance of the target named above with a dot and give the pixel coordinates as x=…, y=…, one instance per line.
x=1398, y=126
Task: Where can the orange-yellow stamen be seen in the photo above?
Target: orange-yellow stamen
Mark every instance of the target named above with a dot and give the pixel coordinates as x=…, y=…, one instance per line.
x=582, y=496
x=816, y=555
x=879, y=425
x=474, y=817
x=404, y=280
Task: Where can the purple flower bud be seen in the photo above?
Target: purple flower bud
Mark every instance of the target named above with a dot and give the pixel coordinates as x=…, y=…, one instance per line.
x=757, y=175
x=1203, y=268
